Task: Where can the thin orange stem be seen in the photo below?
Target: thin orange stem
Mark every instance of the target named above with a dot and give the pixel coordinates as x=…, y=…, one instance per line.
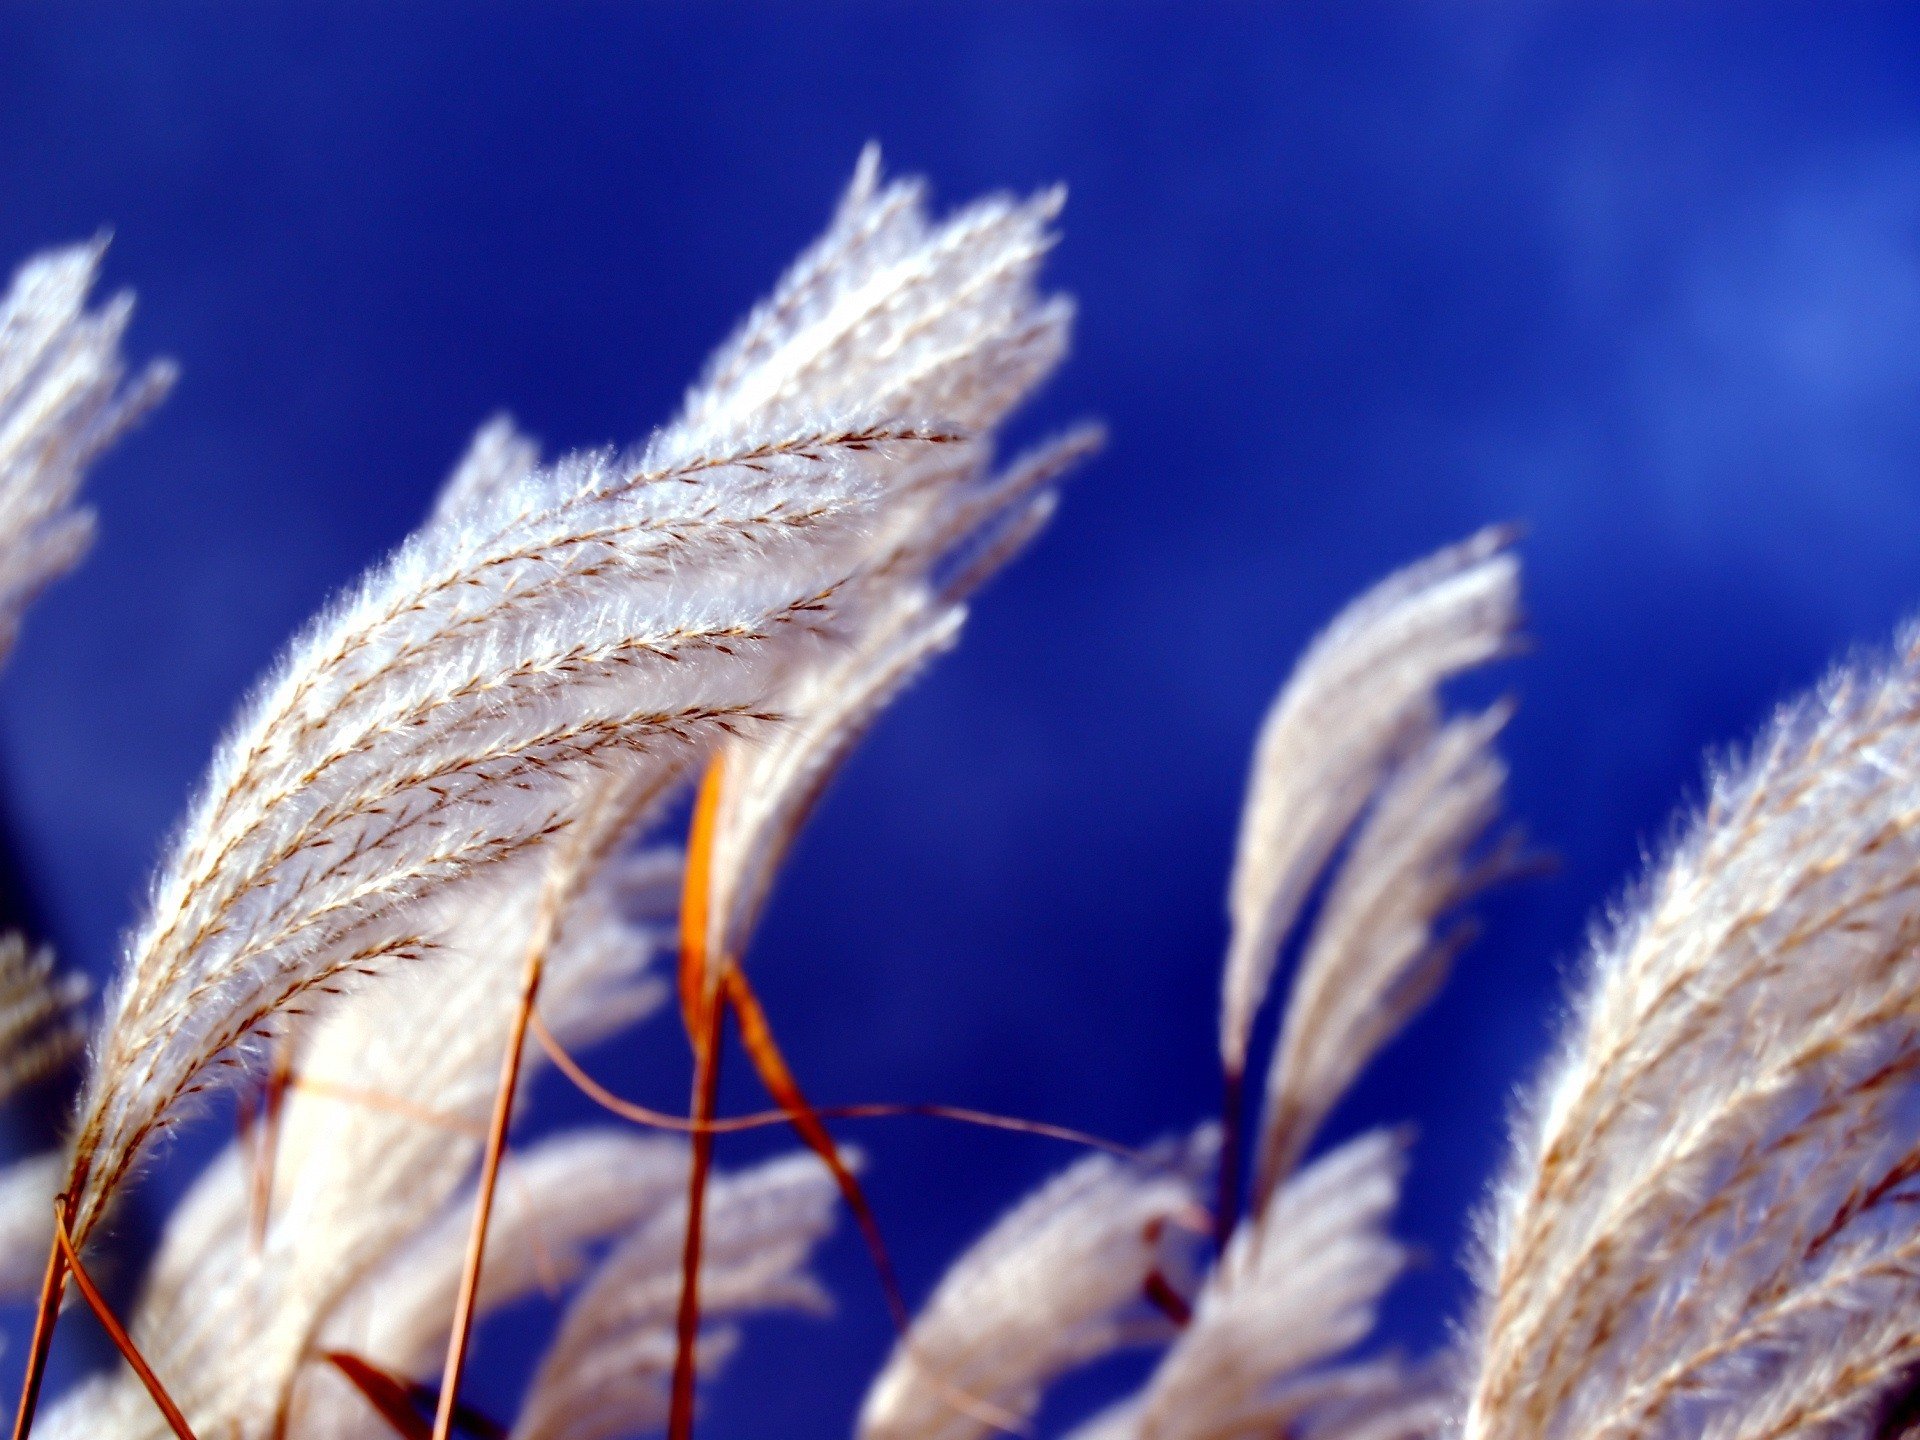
x=756, y=1035
x=698, y=987
x=503, y=1096
x=53, y=1286
x=705, y=1021
x=706, y=1090
x=116, y=1332
x=653, y=1119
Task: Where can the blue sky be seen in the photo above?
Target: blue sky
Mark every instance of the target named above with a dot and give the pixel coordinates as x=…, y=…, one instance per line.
x=1353, y=281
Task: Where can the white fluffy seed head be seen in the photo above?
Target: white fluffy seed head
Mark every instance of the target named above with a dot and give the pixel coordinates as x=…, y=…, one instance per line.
x=1057, y=1282
x=376, y=1143
x=62, y=401
x=606, y=1374
x=1706, y=1226
x=598, y=622
x=1363, y=691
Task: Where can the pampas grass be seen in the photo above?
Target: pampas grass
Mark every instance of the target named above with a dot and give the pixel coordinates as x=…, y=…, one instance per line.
x=439, y=812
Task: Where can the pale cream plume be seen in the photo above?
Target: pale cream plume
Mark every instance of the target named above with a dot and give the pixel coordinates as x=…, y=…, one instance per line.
x=1362, y=692
x=1356, y=742
x=607, y=1371
x=1297, y=1286
x=62, y=401
x=1707, y=1226
x=1058, y=1281
x=380, y=1132
x=1373, y=960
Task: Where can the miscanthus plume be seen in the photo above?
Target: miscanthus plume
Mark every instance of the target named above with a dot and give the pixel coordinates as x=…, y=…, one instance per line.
x=437, y=828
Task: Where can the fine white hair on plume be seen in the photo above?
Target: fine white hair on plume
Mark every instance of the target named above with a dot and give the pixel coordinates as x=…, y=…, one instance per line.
x=1361, y=693
x=598, y=622
x=1356, y=739
x=1297, y=1286
x=379, y=1133
x=41, y=1026
x=63, y=399
x=890, y=311
x=1373, y=959
x=1706, y=1227
x=1058, y=1281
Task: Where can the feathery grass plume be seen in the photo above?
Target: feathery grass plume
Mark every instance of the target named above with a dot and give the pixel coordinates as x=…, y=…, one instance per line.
x=772, y=785
x=1706, y=1229
x=1058, y=1281
x=557, y=1197
x=1361, y=692
x=893, y=313
x=589, y=620
x=451, y=717
x=379, y=1132
x=606, y=1373
x=62, y=402
x=1373, y=959
x=1356, y=736
x=498, y=459
x=1296, y=1287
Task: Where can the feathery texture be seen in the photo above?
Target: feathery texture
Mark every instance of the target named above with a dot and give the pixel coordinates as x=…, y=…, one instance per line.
x=380, y=1132
x=606, y=1373
x=1364, y=690
x=498, y=458
x=891, y=312
x=1373, y=960
x=594, y=623
x=1708, y=1225
x=1296, y=1287
x=1356, y=742
x=557, y=1197
x=62, y=401
x=1058, y=1281
x=454, y=716
x=772, y=785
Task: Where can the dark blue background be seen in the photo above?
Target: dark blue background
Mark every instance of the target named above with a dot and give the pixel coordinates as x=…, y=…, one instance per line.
x=1643, y=277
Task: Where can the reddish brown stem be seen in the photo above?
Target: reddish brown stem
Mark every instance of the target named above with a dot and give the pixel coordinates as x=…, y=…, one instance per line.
x=1167, y=1300
x=116, y=1332
x=653, y=1119
x=463, y=1306
x=53, y=1286
x=756, y=1035
x=706, y=1090
x=401, y=1402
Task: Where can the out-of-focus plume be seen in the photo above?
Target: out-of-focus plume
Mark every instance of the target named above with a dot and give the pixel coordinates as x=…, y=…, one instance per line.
x=62, y=401
x=1058, y=1281
x=606, y=1372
